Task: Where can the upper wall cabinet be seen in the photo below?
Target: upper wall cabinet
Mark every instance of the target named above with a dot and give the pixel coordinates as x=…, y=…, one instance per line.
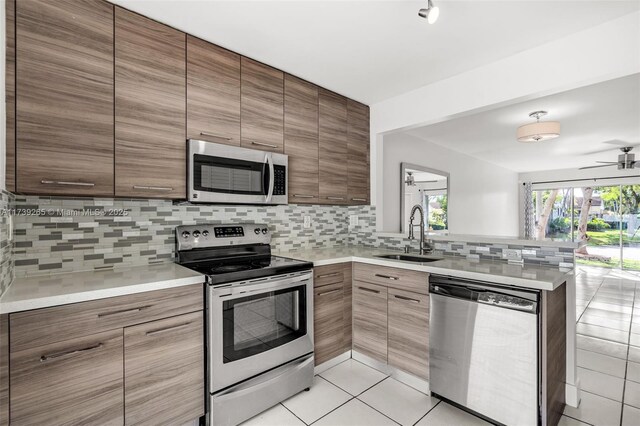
x=64, y=82
x=332, y=129
x=301, y=139
x=213, y=93
x=262, y=108
x=150, y=139
x=358, y=148
x=10, y=95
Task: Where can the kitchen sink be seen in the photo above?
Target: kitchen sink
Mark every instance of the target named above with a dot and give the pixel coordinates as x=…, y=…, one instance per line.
x=408, y=257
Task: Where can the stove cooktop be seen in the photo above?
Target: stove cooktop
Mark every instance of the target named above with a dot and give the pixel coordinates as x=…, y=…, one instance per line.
x=219, y=271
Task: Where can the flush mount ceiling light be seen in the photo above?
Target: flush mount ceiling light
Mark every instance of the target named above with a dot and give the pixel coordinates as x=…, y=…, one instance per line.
x=538, y=131
x=431, y=13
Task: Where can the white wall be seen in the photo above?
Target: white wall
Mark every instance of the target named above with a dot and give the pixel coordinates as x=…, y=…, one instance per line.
x=483, y=198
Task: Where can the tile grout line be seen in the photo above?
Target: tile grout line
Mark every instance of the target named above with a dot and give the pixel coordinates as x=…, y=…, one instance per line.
x=427, y=413
x=296, y=416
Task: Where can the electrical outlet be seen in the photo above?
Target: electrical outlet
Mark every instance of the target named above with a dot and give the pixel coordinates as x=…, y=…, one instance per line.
x=353, y=220
x=307, y=222
x=512, y=254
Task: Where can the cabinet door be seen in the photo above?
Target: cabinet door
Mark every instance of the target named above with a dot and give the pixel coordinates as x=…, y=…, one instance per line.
x=328, y=323
x=301, y=139
x=409, y=332
x=10, y=96
x=332, y=121
x=64, y=97
x=74, y=382
x=370, y=320
x=262, y=109
x=213, y=93
x=358, y=147
x=347, y=316
x=150, y=80
x=164, y=371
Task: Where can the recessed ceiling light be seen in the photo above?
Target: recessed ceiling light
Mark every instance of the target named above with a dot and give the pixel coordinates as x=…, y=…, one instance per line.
x=538, y=131
x=431, y=13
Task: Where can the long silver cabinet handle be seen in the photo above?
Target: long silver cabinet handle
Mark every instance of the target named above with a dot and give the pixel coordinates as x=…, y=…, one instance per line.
x=58, y=355
x=164, y=330
x=329, y=292
x=303, y=196
x=215, y=136
x=389, y=277
x=62, y=182
x=369, y=290
x=153, y=188
x=359, y=199
x=124, y=311
x=335, y=198
x=408, y=299
x=264, y=144
x=333, y=274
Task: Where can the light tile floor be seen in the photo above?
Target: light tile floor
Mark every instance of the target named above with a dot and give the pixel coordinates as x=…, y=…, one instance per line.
x=608, y=313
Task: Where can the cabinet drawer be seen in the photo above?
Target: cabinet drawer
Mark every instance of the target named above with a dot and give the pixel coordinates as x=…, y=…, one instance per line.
x=75, y=382
x=409, y=332
x=402, y=279
x=370, y=320
x=164, y=371
x=328, y=322
x=43, y=326
x=328, y=274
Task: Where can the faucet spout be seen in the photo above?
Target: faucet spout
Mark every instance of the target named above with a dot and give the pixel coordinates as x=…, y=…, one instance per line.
x=418, y=208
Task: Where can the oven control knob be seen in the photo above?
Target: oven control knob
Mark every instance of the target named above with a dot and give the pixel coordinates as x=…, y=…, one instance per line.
x=257, y=231
x=265, y=230
x=205, y=233
x=196, y=233
x=185, y=234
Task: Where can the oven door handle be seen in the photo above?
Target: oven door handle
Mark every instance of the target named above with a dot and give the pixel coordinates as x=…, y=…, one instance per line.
x=245, y=290
x=269, y=163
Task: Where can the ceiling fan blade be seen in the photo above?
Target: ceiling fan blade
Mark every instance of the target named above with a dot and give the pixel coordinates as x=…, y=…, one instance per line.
x=595, y=167
x=607, y=162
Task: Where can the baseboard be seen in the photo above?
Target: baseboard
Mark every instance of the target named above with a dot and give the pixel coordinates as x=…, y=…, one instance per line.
x=572, y=394
x=332, y=362
x=401, y=376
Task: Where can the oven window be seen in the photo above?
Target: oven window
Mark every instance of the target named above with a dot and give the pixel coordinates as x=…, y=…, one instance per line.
x=257, y=323
x=231, y=176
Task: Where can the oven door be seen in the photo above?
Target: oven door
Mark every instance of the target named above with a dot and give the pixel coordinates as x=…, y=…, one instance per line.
x=257, y=326
x=230, y=174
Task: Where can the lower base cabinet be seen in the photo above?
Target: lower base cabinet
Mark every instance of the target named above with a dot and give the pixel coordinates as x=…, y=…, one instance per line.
x=370, y=320
x=163, y=371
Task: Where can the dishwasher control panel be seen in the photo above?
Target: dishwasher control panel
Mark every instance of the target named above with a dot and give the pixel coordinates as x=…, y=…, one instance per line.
x=506, y=301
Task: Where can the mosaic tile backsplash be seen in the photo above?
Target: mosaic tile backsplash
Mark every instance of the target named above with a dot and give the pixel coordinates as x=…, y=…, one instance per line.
x=6, y=246
x=56, y=234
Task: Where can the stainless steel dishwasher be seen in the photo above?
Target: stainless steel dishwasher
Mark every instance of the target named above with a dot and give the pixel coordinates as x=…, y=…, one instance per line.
x=483, y=348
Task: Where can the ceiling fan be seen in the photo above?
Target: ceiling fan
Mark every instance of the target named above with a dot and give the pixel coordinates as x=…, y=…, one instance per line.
x=626, y=160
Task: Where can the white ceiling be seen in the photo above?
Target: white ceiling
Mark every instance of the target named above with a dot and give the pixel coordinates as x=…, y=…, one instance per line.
x=374, y=50
x=594, y=121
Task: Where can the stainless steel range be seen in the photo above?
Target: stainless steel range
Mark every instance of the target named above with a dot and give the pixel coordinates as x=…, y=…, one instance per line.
x=259, y=318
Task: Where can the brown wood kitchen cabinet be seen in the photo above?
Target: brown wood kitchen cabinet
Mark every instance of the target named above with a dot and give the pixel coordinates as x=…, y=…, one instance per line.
x=332, y=142
x=370, y=320
x=358, y=172
x=262, y=106
x=64, y=84
x=332, y=311
x=213, y=93
x=121, y=360
x=301, y=139
x=10, y=99
x=150, y=134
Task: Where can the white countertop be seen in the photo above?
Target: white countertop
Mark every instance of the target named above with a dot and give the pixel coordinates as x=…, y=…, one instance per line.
x=43, y=291
x=525, y=276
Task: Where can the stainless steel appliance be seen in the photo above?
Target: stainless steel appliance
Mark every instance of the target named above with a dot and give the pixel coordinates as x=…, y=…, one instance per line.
x=220, y=173
x=483, y=349
x=259, y=318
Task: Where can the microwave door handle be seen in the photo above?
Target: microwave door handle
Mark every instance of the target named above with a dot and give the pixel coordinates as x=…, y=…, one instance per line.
x=269, y=161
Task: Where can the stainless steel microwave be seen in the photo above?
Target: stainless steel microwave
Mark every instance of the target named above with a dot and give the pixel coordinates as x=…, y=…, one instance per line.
x=220, y=173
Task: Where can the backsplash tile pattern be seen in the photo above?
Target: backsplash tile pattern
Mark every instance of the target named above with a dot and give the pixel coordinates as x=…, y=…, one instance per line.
x=6, y=246
x=71, y=234
x=364, y=234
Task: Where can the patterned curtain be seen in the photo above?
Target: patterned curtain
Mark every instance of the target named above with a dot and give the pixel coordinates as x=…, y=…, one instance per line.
x=529, y=221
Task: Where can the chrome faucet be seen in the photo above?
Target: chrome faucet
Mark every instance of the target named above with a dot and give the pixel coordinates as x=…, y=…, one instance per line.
x=424, y=246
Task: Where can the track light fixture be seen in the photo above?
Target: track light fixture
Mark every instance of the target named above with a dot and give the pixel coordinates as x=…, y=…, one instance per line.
x=431, y=13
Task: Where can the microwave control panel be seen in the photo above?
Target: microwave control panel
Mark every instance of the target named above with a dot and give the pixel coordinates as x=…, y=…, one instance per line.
x=280, y=180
